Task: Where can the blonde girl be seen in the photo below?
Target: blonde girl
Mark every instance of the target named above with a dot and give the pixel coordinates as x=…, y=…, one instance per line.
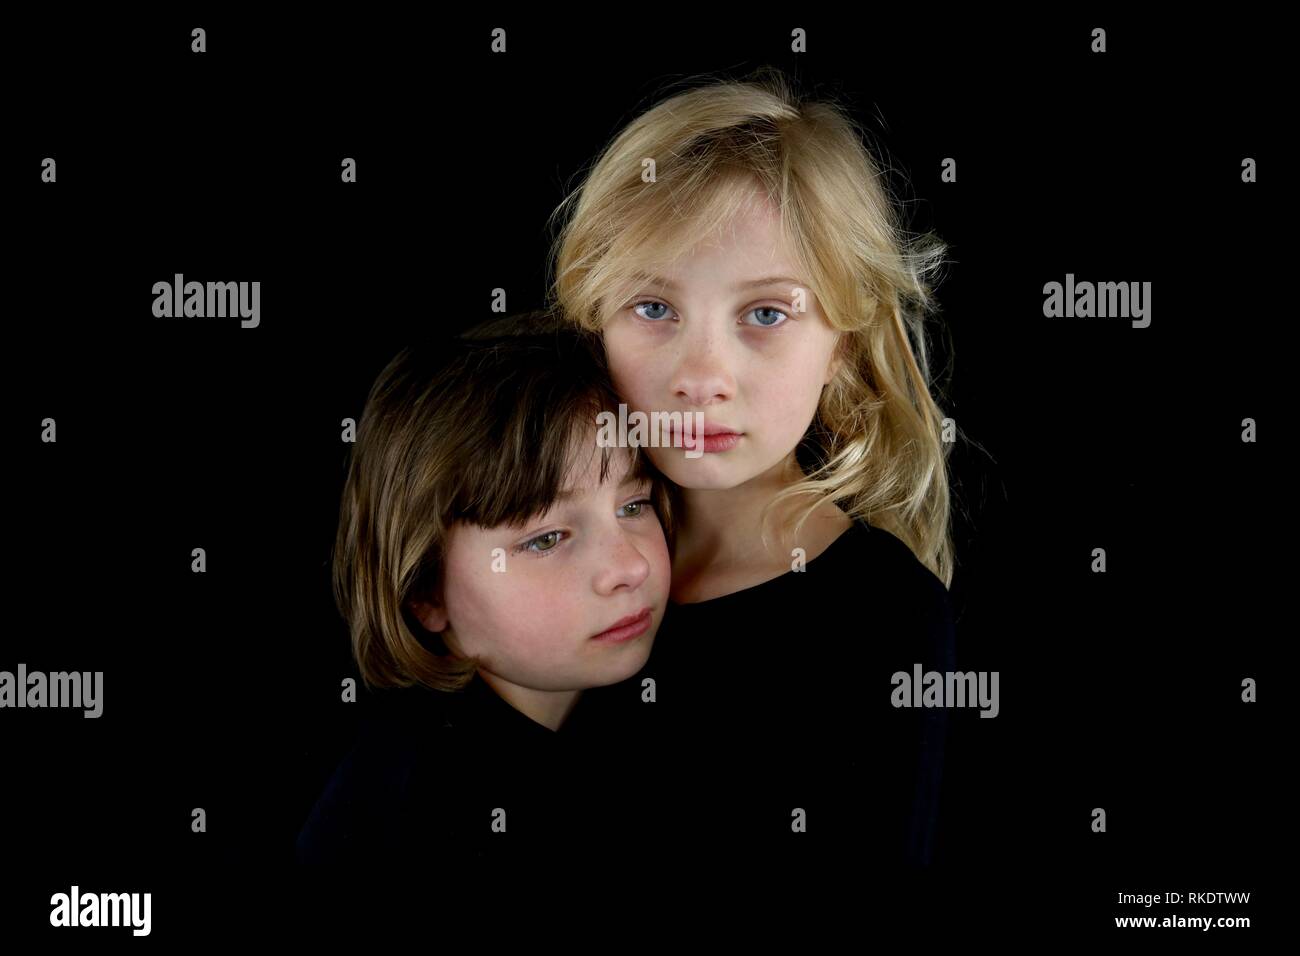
x=738, y=251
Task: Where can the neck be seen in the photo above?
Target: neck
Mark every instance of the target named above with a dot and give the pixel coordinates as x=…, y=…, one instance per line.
x=550, y=708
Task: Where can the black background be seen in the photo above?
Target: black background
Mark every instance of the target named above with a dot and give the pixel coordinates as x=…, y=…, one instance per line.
x=1119, y=690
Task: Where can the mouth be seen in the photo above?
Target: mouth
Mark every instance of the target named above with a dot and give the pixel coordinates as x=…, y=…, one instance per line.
x=714, y=438
x=707, y=428
x=713, y=429
x=625, y=629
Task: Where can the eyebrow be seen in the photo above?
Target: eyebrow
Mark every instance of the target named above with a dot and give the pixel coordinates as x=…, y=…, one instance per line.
x=568, y=493
x=738, y=287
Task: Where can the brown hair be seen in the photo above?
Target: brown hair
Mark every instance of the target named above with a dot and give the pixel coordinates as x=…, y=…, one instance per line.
x=482, y=430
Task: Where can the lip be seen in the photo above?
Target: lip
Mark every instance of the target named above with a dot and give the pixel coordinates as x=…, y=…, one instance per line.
x=634, y=625
x=714, y=438
x=711, y=428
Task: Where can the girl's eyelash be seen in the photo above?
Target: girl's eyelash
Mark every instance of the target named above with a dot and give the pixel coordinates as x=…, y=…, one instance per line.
x=641, y=501
x=636, y=305
x=771, y=308
x=526, y=546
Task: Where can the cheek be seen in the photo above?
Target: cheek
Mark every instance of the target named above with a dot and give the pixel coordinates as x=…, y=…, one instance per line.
x=785, y=390
x=517, y=608
x=633, y=370
x=787, y=374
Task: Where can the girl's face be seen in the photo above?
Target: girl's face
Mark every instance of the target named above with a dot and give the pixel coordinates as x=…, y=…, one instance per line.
x=530, y=610
x=720, y=335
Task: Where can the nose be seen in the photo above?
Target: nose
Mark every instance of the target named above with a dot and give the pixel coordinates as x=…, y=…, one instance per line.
x=703, y=372
x=622, y=565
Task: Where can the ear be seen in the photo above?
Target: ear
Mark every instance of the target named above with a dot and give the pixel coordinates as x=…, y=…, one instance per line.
x=432, y=614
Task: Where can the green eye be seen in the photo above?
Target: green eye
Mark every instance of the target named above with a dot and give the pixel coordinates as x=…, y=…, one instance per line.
x=638, y=505
x=553, y=537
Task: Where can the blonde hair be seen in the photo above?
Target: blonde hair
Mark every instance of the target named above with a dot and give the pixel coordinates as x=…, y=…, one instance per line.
x=485, y=431
x=875, y=446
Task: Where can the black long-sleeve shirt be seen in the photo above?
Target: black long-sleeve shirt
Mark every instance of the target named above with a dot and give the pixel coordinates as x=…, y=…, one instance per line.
x=771, y=704
x=773, y=710
x=462, y=775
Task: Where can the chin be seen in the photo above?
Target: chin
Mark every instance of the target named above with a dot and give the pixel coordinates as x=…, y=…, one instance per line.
x=702, y=474
x=626, y=666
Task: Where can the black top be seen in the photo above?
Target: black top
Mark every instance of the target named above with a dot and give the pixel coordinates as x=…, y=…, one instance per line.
x=767, y=700
x=430, y=770
x=777, y=698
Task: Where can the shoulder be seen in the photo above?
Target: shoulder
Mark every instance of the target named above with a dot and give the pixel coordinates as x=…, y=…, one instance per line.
x=890, y=555
x=882, y=552
x=900, y=591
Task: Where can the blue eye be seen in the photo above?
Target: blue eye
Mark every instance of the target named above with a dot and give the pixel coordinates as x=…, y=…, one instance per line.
x=767, y=325
x=652, y=304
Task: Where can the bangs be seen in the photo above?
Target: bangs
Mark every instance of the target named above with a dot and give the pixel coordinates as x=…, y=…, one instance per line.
x=527, y=481
x=532, y=434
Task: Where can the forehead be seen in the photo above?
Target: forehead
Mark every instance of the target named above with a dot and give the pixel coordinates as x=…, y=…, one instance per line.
x=749, y=244
x=585, y=457
x=757, y=221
